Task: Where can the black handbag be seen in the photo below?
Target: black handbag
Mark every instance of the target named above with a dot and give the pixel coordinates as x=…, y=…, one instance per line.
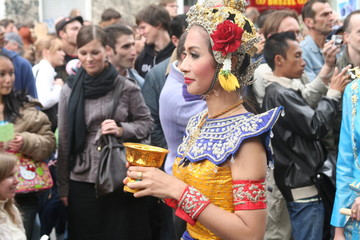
x=52, y=114
x=112, y=167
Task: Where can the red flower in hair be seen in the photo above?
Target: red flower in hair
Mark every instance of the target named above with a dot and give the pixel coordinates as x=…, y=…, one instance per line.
x=227, y=37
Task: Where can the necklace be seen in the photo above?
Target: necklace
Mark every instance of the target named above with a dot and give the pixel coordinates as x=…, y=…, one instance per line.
x=227, y=110
x=196, y=133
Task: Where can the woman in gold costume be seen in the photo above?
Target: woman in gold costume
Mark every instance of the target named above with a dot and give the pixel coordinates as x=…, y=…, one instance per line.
x=218, y=186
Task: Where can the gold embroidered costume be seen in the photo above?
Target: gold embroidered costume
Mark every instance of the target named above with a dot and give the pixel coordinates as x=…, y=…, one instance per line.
x=206, y=165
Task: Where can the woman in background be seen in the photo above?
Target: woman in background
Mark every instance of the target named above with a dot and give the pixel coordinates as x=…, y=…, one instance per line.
x=33, y=135
x=49, y=54
x=83, y=107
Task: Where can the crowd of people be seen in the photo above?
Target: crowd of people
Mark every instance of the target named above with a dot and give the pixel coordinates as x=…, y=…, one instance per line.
x=258, y=110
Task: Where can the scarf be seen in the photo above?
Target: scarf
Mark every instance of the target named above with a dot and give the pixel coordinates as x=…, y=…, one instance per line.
x=84, y=87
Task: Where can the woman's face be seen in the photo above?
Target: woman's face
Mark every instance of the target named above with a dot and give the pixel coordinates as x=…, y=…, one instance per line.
x=8, y=185
x=7, y=76
x=199, y=65
x=57, y=58
x=92, y=57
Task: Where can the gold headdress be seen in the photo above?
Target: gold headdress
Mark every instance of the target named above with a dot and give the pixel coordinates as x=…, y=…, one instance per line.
x=231, y=33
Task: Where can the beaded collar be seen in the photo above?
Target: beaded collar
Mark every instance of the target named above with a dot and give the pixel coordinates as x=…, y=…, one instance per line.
x=354, y=100
x=221, y=138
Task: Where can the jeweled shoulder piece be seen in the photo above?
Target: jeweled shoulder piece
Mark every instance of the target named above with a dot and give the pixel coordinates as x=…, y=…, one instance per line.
x=221, y=138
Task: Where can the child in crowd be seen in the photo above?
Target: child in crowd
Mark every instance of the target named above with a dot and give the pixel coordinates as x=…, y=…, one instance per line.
x=11, y=226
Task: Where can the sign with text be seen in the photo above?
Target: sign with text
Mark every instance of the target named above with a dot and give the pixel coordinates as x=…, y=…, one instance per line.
x=263, y=5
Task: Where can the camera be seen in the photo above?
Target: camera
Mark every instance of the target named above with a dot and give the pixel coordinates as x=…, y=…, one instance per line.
x=338, y=40
x=354, y=73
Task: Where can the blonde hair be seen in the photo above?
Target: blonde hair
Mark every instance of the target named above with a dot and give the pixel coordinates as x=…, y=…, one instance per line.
x=50, y=43
x=7, y=164
x=40, y=31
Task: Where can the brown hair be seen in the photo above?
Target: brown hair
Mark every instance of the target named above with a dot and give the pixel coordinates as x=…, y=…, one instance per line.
x=6, y=22
x=109, y=14
x=155, y=16
x=113, y=32
x=346, y=25
x=51, y=43
x=89, y=33
x=274, y=20
x=163, y=3
x=307, y=11
x=7, y=164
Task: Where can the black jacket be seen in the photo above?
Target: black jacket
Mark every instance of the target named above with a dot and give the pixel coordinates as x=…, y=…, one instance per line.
x=148, y=58
x=297, y=136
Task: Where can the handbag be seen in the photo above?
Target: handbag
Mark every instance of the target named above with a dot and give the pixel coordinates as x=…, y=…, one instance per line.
x=52, y=114
x=33, y=175
x=112, y=168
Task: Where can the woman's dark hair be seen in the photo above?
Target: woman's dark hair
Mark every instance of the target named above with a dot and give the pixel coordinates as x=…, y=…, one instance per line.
x=89, y=33
x=14, y=100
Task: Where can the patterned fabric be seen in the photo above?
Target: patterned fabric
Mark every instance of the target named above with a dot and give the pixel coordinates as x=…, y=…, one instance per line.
x=208, y=171
x=348, y=165
x=221, y=138
x=351, y=230
x=249, y=195
x=191, y=204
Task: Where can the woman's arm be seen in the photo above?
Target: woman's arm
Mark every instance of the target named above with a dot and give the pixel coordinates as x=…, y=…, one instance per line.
x=34, y=128
x=249, y=164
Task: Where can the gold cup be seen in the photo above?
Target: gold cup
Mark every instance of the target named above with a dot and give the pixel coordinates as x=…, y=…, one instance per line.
x=143, y=155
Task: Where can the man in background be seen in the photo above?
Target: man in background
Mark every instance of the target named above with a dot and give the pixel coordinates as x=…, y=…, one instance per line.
x=153, y=22
x=351, y=53
x=121, y=51
x=67, y=29
x=109, y=17
x=319, y=19
x=170, y=6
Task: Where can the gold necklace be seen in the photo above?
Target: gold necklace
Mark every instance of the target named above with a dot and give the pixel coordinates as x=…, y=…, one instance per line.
x=227, y=110
x=196, y=133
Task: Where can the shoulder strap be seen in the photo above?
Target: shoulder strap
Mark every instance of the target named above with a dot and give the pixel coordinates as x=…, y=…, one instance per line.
x=119, y=83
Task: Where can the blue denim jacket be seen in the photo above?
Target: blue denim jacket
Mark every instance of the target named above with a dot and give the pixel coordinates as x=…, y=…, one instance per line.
x=313, y=57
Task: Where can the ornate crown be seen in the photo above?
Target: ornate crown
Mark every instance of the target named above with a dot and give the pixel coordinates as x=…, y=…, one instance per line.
x=231, y=33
